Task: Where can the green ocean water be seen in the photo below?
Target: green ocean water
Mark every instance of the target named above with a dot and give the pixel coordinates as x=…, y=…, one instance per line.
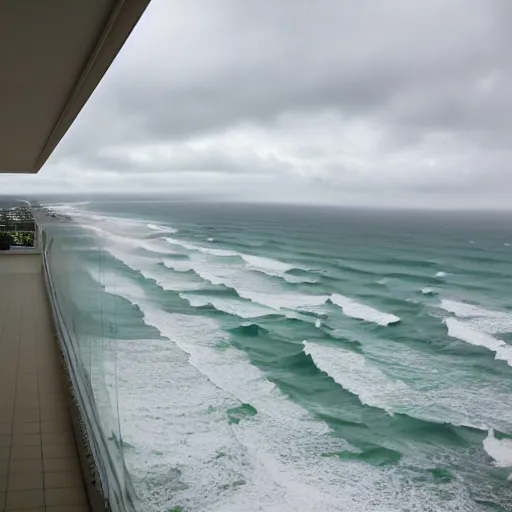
x=284, y=358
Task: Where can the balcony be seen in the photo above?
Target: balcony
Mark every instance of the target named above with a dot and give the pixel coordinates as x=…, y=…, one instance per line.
x=57, y=451
x=39, y=462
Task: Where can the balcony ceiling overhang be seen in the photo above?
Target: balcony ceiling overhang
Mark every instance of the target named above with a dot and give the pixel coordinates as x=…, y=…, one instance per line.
x=53, y=54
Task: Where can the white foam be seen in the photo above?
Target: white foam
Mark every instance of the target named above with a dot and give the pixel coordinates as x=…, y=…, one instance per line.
x=318, y=323
x=162, y=229
x=117, y=233
x=267, y=265
x=181, y=243
x=88, y=217
x=462, y=309
x=237, y=307
x=178, y=265
x=360, y=311
x=122, y=250
x=275, y=268
x=249, y=285
x=174, y=418
x=441, y=274
x=210, y=239
x=292, y=279
x=487, y=320
x=286, y=301
x=214, y=273
x=282, y=441
x=499, y=449
x=352, y=372
x=121, y=241
x=444, y=392
x=218, y=252
x=428, y=291
x=465, y=332
x=442, y=400
x=279, y=461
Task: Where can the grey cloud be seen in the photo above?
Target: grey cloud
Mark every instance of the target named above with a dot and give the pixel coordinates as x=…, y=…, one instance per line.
x=256, y=60
x=181, y=158
x=318, y=99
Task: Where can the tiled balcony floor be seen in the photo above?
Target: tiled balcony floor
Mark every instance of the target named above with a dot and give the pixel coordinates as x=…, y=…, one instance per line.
x=39, y=467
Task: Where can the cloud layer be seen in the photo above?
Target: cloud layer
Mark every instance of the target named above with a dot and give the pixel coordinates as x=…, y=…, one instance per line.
x=393, y=103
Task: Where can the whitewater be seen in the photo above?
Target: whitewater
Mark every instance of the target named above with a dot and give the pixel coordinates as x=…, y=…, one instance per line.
x=285, y=360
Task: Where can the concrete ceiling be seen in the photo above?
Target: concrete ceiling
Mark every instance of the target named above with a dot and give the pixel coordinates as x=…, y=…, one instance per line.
x=53, y=53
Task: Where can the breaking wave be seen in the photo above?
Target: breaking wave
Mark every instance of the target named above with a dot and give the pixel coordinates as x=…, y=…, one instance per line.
x=360, y=311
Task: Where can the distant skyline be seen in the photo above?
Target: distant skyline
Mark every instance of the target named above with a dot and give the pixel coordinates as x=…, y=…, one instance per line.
x=398, y=103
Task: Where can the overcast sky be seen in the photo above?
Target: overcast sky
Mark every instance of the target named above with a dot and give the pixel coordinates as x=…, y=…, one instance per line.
x=402, y=103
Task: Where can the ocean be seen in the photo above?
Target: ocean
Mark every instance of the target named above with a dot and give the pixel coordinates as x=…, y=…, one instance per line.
x=294, y=358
